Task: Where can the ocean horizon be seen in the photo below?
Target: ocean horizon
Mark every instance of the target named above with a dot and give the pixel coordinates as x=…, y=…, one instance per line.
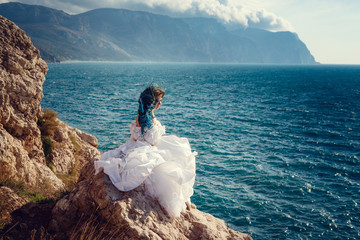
x=279, y=145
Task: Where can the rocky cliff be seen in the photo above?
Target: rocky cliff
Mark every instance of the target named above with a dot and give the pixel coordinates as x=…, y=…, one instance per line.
x=41, y=158
x=22, y=73
x=24, y=164
x=129, y=215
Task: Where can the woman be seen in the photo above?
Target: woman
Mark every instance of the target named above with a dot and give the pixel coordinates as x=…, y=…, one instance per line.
x=164, y=163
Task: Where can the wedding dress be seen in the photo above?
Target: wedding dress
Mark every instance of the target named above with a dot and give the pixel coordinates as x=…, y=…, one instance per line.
x=164, y=163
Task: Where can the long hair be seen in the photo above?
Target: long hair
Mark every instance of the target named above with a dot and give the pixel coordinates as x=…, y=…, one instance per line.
x=147, y=102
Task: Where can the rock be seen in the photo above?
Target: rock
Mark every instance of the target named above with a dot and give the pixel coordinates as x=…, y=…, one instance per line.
x=85, y=137
x=29, y=221
x=16, y=166
x=72, y=147
x=22, y=73
x=9, y=202
x=22, y=159
x=129, y=215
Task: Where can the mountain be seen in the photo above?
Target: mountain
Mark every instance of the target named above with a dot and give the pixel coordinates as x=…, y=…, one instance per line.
x=124, y=35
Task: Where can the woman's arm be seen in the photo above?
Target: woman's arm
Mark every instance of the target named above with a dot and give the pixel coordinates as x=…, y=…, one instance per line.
x=137, y=121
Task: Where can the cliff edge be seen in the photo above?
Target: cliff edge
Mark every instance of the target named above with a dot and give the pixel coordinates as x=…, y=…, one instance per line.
x=48, y=189
x=40, y=157
x=128, y=215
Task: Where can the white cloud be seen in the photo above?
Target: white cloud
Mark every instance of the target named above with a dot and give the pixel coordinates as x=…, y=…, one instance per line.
x=228, y=11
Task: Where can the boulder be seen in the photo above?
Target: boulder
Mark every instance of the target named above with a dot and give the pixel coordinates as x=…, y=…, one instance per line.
x=22, y=73
x=22, y=156
x=22, y=159
x=9, y=202
x=128, y=215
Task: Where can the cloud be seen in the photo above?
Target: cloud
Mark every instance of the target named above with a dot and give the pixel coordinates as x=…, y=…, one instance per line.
x=231, y=12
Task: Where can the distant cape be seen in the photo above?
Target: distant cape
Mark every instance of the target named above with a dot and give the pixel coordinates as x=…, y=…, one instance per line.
x=124, y=35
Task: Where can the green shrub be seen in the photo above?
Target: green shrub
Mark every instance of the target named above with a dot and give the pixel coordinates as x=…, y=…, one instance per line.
x=47, y=125
x=74, y=143
x=47, y=147
x=20, y=190
x=34, y=197
x=48, y=122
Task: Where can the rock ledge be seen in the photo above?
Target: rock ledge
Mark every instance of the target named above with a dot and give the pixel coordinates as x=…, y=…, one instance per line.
x=130, y=215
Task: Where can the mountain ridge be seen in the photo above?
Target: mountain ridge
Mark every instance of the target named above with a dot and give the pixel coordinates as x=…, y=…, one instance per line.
x=108, y=34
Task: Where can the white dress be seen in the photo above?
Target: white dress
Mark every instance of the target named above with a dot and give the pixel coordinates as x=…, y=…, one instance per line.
x=164, y=163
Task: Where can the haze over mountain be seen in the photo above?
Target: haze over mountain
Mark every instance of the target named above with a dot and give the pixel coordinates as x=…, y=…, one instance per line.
x=124, y=35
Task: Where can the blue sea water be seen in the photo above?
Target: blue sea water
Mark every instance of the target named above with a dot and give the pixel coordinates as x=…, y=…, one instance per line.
x=279, y=146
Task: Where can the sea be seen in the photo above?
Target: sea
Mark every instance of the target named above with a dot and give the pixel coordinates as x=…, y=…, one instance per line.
x=278, y=145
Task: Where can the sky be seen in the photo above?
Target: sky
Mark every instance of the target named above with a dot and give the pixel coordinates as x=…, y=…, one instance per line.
x=329, y=28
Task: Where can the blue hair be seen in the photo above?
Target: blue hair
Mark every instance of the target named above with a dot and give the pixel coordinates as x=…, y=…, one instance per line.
x=147, y=102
